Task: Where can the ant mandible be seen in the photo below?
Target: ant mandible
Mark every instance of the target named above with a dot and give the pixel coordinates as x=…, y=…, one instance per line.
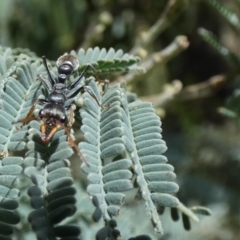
x=53, y=114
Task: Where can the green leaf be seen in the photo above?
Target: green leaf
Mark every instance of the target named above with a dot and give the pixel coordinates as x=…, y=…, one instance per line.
x=230, y=57
x=106, y=61
x=10, y=139
x=201, y=210
x=227, y=14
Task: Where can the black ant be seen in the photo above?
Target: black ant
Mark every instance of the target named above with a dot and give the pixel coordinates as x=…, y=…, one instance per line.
x=53, y=114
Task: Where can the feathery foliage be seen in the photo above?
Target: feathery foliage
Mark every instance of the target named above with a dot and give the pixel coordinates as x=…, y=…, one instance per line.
x=227, y=14
x=122, y=138
x=107, y=61
x=203, y=146
x=17, y=90
x=123, y=148
x=230, y=57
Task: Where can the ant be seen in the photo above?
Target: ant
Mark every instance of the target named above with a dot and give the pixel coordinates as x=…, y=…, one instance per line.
x=53, y=114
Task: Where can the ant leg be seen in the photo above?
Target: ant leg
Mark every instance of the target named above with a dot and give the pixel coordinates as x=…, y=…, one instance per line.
x=29, y=116
x=25, y=121
x=95, y=98
x=96, y=75
x=52, y=80
x=75, y=93
x=105, y=82
x=78, y=79
x=73, y=144
x=71, y=117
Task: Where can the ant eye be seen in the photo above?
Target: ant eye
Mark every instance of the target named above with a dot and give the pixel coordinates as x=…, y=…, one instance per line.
x=41, y=113
x=63, y=119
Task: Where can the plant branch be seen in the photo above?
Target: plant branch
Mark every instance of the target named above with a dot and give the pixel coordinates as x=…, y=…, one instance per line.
x=170, y=13
x=179, y=44
x=196, y=91
x=202, y=90
x=160, y=100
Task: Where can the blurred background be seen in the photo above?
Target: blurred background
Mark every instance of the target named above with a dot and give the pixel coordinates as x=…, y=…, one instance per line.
x=192, y=82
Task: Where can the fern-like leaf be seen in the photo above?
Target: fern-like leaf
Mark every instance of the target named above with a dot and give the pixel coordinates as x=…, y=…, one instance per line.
x=16, y=99
x=121, y=141
x=52, y=195
x=125, y=136
x=229, y=15
x=10, y=168
x=107, y=61
x=154, y=176
x=16, y=92
x=209, y=37
x=101, y=148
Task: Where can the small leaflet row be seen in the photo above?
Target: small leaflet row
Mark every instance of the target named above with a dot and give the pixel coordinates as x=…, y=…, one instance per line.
x=18, y=96
x=52, y=195
x=105, y=152
x=125, y=136
x=10, y=168
x=16, y=82
x=212, y=40
x=154, y=176
x=107, y=60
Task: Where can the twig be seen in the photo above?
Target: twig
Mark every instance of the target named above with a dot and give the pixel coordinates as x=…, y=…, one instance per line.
x=179, y=44
x=160, y=100
x=196, y=91
x=171, y=12
x=202, y=90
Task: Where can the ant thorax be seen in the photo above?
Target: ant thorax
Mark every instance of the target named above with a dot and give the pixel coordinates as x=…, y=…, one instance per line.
x=58, y=94
x=59, y=87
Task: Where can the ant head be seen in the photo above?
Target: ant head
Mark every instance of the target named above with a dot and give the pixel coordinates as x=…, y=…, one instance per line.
x=67, y=64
